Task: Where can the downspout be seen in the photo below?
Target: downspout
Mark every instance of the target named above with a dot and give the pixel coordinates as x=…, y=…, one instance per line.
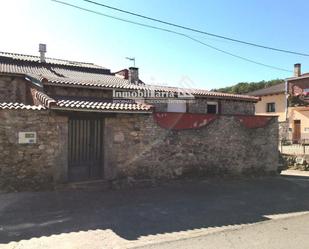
x=287, y=119
x=286, y=91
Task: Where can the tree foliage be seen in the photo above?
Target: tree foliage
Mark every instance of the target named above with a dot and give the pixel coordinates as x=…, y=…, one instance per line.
x=245, y=87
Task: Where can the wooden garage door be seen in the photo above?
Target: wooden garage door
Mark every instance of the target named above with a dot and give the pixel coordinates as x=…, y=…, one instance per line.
x=85, y=149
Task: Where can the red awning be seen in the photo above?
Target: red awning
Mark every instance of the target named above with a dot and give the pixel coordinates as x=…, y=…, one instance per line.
x=181, y=121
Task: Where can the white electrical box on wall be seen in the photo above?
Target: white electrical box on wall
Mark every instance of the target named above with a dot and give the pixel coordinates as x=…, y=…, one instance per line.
x=28, y=137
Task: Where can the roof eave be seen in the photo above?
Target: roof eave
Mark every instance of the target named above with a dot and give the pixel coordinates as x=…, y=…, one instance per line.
x=297, y=78
x=57, y=108
x=254, y=99
x=268, y=94
x=124, y=88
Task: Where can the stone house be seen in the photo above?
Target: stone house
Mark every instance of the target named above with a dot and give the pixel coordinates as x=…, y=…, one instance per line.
x=63, y=121
x=289, y=101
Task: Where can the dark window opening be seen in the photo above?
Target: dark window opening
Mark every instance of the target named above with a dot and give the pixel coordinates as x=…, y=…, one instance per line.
x=271, y=107
x=212, y=109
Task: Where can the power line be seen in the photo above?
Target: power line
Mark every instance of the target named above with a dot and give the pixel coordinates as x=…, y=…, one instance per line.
x=170, y=31
x=196, y=30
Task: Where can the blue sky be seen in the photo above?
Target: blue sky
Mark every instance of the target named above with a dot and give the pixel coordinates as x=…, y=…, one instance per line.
x=164, y=58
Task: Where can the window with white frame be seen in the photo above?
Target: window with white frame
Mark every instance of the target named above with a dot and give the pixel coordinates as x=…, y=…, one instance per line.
x=212, y=107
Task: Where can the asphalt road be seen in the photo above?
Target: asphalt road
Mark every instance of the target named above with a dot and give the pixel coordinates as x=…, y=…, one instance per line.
x=276, y=234
x=137, y=217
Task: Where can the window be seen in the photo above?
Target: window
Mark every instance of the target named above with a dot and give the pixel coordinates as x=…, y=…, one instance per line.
x=212, y=107
x=271, y=107
x=177, y=107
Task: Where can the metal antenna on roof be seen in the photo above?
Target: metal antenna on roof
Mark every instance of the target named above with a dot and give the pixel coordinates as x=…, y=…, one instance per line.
x=131, y=59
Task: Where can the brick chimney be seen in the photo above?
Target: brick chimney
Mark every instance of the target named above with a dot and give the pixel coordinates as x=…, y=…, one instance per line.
x=133, y=75
x=42, y=50
x=297, y=70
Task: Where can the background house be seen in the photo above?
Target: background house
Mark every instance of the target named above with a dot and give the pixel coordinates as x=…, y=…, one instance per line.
x=289, y=101
x=273, y=101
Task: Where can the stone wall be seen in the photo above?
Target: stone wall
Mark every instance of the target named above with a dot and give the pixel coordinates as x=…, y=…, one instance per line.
x=78, y=92
x=198, y=106
x=14, y=89
x=283, y=130
x=227, y=107
x=158, y=106
x=32, y=166
x=136, y=147
x=237, y=107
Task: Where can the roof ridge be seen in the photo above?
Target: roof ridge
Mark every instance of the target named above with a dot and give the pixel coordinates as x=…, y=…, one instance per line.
x=51, y=58
x=266, y=89
x=276, y=85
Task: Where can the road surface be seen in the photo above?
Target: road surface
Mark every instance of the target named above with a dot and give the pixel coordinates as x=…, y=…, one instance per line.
x=209, y=213
x=285, y=233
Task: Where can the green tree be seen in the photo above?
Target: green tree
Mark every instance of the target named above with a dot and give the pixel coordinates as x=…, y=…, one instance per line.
x=245, y=87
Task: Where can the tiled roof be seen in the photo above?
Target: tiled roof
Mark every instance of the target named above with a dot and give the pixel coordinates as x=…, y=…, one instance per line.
x=70, y=76
x=20, y=106
x=42, y=98
x=279, y=88
x=91, y=80
x=113, y=82
x=58, y=75
x=100, y=106
x=303, y=76
x=33, y=58
x=199, y=92
x=6, y=67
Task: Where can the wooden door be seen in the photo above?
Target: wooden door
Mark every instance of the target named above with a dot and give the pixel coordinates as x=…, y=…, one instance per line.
x=296, y=131
x=85, y=149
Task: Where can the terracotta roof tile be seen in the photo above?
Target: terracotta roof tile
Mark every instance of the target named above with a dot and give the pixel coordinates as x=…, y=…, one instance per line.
x=91, y=80
x=57, y=75
x=33, y=58
x=20, y=106
x=23, y=69
x=42, y=98
x=223, y=95
x=100, y=105
x=111, y=82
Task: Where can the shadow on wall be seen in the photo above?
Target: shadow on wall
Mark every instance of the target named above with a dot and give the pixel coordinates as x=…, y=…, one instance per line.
x=134, y=213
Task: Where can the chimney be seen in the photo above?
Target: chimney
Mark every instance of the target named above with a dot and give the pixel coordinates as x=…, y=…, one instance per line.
x=297, y=70
x=42, y=50
x=133, y=75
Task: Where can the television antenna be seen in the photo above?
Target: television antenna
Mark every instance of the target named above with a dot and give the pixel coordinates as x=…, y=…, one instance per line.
x=131, y=59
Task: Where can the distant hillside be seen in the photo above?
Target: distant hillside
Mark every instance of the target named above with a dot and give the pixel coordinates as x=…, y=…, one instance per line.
x=245, y=87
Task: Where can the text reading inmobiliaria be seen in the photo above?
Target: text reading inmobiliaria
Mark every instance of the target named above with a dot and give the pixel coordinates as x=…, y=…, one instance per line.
x=152, y=93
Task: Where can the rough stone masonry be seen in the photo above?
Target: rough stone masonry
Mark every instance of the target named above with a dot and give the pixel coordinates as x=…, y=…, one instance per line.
x=32, y=166
x=135, y=147
x=140, y=148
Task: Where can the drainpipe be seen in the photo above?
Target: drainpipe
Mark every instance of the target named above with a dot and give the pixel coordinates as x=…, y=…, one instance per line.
x=286, y=93
x=287, y=118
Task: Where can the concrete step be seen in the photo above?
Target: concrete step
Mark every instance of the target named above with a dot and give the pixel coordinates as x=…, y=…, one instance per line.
x=85, y=185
